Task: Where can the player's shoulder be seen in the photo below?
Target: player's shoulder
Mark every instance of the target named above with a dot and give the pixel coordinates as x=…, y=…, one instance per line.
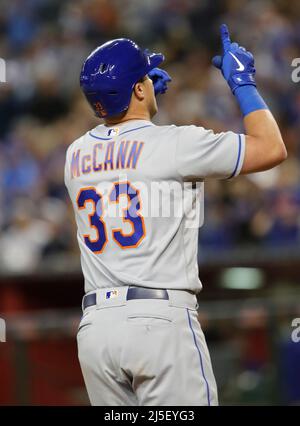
x=81, y=140
x=179, y=129
x=171, y=127
x=192, y=128
x=75, y=143
x=186, y=132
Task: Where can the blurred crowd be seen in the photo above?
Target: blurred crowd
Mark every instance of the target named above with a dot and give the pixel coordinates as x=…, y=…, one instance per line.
x=42, y=111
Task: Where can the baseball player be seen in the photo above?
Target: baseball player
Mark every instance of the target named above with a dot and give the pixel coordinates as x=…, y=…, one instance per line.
x=139, y=340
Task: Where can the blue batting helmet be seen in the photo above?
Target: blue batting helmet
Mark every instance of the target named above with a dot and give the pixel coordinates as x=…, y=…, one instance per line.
x=110, y=72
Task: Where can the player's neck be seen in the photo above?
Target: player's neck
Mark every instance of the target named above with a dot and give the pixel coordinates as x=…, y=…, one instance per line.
x=128, y=116
x=115, y=121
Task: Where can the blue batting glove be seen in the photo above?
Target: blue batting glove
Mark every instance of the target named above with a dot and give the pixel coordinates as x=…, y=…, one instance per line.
x=236, y=64
x=160, y=79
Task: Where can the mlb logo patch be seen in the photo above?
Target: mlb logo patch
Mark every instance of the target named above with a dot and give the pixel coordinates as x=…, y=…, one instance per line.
x=111, y=294
x=113, y=132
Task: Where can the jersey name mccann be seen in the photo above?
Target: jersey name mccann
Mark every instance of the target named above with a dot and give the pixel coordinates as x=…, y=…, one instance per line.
x=106, y=157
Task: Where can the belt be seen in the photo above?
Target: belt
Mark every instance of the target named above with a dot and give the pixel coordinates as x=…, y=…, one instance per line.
x=133, y=293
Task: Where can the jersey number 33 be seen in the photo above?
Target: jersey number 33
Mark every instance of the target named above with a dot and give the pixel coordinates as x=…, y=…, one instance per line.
x=131, y=214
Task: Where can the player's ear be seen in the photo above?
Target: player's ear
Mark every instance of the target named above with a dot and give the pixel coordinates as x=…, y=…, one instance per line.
x=139, y=90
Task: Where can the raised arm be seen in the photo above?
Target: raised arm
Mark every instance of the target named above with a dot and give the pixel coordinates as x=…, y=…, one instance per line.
x=264, y=145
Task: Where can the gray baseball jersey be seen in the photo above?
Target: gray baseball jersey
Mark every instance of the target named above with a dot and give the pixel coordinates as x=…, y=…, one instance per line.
x=135, y=200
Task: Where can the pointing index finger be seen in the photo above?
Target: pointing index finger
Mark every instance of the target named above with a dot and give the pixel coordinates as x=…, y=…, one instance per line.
x=225, y=37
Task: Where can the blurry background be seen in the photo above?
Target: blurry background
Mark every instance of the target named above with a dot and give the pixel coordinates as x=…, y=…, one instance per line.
x=249, y=246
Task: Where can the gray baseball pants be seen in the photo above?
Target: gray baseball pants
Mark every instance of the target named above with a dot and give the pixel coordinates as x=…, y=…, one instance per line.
x=145, y=351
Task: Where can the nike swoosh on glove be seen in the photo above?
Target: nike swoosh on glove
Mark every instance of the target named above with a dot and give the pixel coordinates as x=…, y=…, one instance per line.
x=236, y=63
x=160, y=79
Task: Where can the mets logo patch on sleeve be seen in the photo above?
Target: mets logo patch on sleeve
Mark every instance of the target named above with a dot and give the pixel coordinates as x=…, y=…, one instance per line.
x=111, y=294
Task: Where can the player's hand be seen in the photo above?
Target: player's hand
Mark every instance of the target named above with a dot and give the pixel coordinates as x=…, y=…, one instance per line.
x=160, y=79
x=236, y=63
